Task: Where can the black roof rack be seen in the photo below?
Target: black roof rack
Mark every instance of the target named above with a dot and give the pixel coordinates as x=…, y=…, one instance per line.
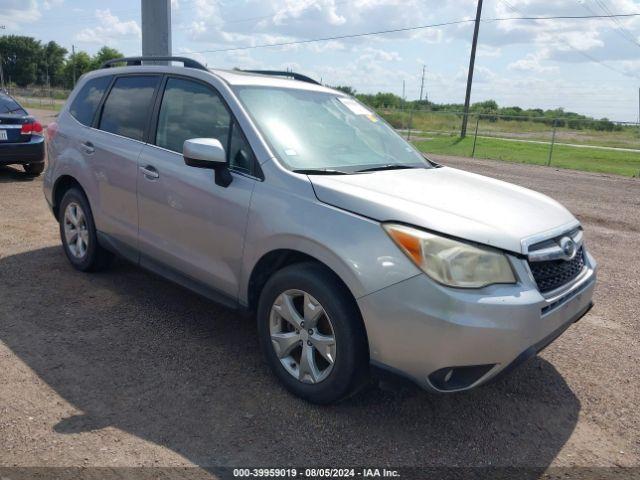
x=278, y=73
x=137, y=61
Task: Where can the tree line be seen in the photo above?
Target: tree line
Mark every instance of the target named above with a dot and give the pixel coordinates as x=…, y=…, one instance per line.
x=489, y=109
x=27, y=61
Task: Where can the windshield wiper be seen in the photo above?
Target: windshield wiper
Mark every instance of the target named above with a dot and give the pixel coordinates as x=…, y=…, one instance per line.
x=431, y=162
x=320, y=171
x=390, y=166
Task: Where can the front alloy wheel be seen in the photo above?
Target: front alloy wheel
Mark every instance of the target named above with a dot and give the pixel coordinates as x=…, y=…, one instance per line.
x=302, y=336
x=312, y=334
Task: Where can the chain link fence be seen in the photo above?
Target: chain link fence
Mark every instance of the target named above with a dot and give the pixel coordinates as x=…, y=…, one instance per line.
x=42, y=97
x=601, y=146
x=567, y=142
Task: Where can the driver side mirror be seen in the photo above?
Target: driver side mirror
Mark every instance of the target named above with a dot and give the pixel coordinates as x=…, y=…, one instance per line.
x=208, y=153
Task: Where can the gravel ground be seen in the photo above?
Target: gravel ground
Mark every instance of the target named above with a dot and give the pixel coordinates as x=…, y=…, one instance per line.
x=123, y=368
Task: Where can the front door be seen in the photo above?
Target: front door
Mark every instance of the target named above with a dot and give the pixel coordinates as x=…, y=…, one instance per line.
x=186, y=222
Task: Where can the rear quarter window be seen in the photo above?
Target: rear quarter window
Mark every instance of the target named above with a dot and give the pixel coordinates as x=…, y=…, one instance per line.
x=128, y=106
x=9, y=105
x=84, y=106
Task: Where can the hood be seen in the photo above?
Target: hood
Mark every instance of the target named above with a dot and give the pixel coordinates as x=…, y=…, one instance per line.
x=449, y=201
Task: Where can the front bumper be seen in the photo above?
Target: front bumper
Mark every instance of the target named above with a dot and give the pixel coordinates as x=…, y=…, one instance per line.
x=22, y=153
x=422, y=330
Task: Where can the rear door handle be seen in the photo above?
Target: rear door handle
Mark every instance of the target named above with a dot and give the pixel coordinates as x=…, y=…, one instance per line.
x=150, y=172
x=88, y=148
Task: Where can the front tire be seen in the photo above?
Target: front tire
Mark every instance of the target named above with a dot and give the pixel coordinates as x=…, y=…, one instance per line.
x=34, y=169
x=311, y=334
x=78, y=233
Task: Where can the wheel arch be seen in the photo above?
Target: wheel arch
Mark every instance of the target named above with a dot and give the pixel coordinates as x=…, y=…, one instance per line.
x=275, y=260
x=60, y=187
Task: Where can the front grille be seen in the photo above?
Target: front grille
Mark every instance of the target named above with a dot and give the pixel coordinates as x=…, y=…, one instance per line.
x=554, y=274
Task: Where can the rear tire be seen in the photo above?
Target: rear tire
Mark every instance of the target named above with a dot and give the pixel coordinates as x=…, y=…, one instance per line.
x=300, y=355
x=34, y=169
x=78, y=233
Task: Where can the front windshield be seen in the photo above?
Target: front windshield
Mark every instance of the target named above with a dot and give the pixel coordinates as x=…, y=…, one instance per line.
x=312, y=130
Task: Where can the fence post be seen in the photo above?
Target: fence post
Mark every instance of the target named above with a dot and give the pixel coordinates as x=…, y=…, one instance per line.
x=553, y=141
x=475, y=137
x=410, y=125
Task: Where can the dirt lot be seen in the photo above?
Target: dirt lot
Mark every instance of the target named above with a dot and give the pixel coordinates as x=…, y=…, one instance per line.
x=125, y=369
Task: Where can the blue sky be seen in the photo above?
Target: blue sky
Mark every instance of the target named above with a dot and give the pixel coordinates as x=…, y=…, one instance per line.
x=544, y=64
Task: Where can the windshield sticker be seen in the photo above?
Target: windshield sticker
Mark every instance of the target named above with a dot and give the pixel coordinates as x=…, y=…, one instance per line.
x=291, y=152
x=355, y=107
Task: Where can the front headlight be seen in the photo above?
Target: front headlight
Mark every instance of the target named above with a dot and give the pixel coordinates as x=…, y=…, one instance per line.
x=450, y=262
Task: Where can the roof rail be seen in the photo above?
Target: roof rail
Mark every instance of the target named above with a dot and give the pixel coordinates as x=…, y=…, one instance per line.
x=137, y=61
x=278, y=73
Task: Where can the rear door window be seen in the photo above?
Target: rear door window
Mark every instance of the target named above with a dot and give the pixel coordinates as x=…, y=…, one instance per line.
x=8, y=105
x=84, y=106
x=128, y=106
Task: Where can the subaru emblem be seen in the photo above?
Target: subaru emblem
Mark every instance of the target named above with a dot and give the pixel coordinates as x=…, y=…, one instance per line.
x=568, y=247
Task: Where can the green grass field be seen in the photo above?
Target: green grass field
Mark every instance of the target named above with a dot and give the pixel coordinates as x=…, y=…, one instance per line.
x=575, y=158
x=28, y=104
x=448, y=124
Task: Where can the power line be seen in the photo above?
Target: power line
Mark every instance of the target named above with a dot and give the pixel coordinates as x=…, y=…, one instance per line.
x=619, y=28
x=564, y=17
x=337, y=37
x=585, y=54
x=407, y=29
x=624, y=31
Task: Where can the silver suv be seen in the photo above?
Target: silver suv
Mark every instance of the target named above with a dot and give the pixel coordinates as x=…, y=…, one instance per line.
x=281, y=196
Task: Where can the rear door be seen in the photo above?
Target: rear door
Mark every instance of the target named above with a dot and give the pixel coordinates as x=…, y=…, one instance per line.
x=112, y=149
x=187, y=222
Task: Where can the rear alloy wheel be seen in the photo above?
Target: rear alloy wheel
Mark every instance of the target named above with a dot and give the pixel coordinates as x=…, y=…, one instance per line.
x=311, y=333
x=33, y=168
x=75, y=230
x=78, y=233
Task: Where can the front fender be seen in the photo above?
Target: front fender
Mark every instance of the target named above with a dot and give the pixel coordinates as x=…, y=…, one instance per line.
x=356, y=248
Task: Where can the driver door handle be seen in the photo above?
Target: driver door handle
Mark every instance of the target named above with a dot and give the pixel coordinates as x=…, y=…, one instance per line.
x=150, y=172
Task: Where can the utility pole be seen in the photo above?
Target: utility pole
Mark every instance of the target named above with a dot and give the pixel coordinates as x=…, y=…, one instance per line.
x=73, y=63
x=1, y=75
x=422, y=83
x=472, y=64
x=403, y=90
x=156, y=28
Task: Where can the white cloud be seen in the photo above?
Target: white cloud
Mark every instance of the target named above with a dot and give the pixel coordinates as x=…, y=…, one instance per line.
x=533, y=62
x=563, y=40
x=49, y=4
x=485, y=51
x=15, y=13
x=304, y=19
x=316, y=10
x=198, y=57
x=110, y=29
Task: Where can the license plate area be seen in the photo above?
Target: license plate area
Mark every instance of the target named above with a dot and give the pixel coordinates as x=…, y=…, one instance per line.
x=3, y=136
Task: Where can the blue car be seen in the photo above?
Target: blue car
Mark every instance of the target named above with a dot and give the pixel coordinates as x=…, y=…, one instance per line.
x=21, y=137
